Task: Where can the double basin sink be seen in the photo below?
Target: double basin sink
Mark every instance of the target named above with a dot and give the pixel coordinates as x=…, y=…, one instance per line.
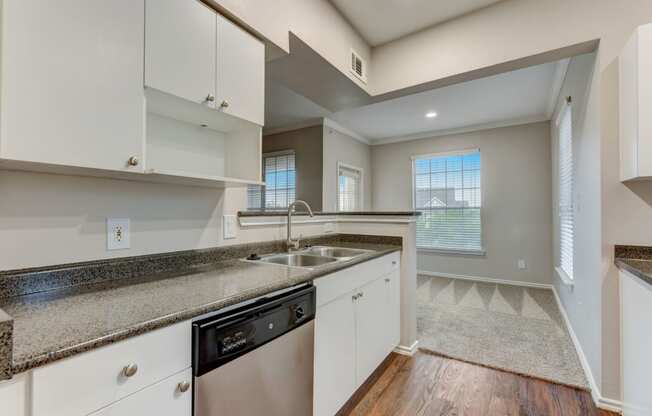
x=312, y=257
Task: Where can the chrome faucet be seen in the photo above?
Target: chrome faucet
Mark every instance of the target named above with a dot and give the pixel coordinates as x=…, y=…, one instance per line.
x=291, y=243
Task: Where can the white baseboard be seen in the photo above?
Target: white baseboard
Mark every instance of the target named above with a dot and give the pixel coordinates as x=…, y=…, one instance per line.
x=407, y=350
x=600, y=401
x=485, y=279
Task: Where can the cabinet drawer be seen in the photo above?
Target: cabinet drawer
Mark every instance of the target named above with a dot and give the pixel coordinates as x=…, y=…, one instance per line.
x=162, y=399
x=84, y=383
x=339, y=283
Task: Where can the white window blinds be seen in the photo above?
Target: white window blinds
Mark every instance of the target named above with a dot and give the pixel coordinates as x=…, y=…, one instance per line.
x=279, y=173
x=446, y=190
x=566, y=220
x=349, y=192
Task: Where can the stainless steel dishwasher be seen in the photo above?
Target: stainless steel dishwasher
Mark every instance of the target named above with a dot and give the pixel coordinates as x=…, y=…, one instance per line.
x=256, y=358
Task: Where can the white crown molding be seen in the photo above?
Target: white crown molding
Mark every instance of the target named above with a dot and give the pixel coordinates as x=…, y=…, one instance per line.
x=557, y=83
x=337, y=126
x=295, y=126
x=468, y=129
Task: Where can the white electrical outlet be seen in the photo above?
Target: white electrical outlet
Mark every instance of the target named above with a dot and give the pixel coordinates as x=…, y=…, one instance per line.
x=117, y=233
x=522, y=265
x=229, y=226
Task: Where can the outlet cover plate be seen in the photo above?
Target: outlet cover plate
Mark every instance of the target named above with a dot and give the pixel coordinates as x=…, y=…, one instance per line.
x=117, y=233
x=229, y=227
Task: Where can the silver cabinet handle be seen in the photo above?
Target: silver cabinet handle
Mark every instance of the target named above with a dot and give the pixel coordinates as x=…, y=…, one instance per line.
x=132, y=161
x=224, y=104
x=130, y=370
x=210, y=98
x=183, y=386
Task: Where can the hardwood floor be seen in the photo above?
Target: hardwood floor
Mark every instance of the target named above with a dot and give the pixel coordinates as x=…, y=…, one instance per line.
x=431, y=385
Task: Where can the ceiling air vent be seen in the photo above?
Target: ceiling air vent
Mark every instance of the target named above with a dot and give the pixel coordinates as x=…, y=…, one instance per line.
x=358, y=66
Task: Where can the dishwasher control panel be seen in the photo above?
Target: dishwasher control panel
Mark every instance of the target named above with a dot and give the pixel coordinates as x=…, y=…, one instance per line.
x=224, y=337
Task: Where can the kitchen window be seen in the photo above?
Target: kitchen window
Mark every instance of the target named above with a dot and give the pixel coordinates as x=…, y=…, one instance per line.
x=446, y=190
x=349, y=188
x=565, y=174
x=279, y=174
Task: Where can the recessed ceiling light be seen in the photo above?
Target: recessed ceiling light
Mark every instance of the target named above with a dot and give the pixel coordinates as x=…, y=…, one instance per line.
x=431, y=114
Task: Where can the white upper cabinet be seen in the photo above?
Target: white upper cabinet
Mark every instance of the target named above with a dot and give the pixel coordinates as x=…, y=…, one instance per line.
x=72, y=73
x=180, y=48
x=240, y=72
x=636, y=106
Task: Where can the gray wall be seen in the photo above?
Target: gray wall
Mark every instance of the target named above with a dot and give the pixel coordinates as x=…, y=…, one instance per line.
x=516, y=199
x=582, y=301
x=339, y=147
x=307, y=144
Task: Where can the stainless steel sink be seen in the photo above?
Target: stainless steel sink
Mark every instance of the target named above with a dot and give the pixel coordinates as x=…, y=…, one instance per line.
x=298, y=260
x=337, y=252
x=312, y=257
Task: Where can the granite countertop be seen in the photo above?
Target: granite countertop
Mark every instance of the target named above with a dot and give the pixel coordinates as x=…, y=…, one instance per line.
x=265, y=213
x=637, y=260
x=58, y=323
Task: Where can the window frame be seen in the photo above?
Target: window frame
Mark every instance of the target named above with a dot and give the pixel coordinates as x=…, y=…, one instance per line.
x=449, y=251
x=263, y=188
x=341, y=164
x=566, y=277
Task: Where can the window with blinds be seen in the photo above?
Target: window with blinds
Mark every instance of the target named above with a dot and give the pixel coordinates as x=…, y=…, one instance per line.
x=279, y=173
x=566, y=220
x=349, y=188
x=446, y=190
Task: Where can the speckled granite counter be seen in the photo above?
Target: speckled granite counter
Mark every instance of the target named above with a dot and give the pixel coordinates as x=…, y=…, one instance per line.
x=60, y=322
x=637, y=260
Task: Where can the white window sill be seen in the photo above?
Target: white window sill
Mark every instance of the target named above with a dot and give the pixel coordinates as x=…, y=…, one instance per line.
x=566, y=279
x=459, y=252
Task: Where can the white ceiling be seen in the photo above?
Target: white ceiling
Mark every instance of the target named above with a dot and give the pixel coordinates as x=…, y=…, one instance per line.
x=525, y=95
x=381, y=21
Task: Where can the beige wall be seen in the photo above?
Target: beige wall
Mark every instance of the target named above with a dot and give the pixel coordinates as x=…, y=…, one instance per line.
x=582, y=301
x=509, y=30
x=339, y=147
x=516, y=195
x=307, y=144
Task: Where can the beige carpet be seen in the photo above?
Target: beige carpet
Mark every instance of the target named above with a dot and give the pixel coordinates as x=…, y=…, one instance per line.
x=507, y=327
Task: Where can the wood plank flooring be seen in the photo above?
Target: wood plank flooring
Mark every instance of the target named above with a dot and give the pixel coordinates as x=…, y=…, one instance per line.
x=431, y=385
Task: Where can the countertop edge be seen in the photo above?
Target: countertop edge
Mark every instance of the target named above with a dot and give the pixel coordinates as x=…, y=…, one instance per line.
x=27, y=363
x=348, y=213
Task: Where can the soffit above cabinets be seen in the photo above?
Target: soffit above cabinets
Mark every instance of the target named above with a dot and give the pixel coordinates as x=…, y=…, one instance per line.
x=381, y=21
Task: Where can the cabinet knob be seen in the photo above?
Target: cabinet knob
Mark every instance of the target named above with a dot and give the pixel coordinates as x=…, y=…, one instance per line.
x=130, y=370
x=133, y=161
x=210, y=98
x=224, y=104
x=360, y=294
x=387, y=280
x=394, y=263
x=354, y=297
x=183, y=386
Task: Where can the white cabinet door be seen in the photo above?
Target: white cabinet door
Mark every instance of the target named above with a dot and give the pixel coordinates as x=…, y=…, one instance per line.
x=334, y=378
x=371, y=328
x=240, y=72
x=14, y=396
x=161, y=399
x=635, y=315
x=393, y=309
x=72, y=74
x=180, y=45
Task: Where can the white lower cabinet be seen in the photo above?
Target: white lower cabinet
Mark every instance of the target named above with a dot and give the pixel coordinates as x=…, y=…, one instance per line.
x=355, y=328
x=168, y=397
x=14, y=398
